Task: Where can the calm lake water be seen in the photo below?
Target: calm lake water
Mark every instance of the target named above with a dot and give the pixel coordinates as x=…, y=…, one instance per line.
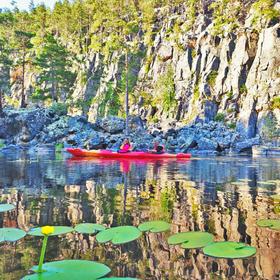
x=221, y=195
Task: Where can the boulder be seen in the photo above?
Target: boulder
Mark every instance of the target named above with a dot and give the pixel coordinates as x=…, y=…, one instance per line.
x=224, y=143
x=246, y=146
x=56, y=130
x=155, y=132
x=165, y=52
x=207, y=144
x=96, y=142
x=187, y=142
x=111, y=125
x=33, y=120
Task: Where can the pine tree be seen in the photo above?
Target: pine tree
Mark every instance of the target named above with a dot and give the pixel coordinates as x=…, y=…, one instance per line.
x=5, y=64
x=53, y=64
x=22, y=47
x=115, y=28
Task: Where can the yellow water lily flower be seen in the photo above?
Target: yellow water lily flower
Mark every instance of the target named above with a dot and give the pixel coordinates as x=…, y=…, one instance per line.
x=144, y=195
x=47, y=230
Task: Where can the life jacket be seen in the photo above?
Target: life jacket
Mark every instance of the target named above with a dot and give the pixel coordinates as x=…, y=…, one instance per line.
x=159, y=149
x=126, y=147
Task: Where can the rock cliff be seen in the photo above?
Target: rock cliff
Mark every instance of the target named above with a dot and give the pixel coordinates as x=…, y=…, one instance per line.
x=234, y=76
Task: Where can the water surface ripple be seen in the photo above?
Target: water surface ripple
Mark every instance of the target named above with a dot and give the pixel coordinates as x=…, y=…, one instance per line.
x=222, y=195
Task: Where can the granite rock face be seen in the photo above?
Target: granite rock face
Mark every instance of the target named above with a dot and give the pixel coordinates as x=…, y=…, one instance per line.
x=235, y=75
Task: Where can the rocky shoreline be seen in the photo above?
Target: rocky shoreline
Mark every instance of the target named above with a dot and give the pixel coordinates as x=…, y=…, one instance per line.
x=31, y=128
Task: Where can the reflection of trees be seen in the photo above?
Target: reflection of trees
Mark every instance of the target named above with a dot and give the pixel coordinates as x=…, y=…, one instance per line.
x=228, y=210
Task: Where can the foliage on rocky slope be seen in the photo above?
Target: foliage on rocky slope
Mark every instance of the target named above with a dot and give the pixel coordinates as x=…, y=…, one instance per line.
x=188, y=60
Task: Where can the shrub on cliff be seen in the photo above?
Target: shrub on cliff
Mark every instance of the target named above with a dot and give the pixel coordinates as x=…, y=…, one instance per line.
x=165, y=90
x=275, y=104
x=59, y=108
x=220, y=117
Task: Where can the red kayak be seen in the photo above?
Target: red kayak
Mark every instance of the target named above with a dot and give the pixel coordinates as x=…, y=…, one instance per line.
x=110, y=154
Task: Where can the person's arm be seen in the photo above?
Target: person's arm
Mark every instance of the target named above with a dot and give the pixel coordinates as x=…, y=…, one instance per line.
x=130, y=148
x=121, y=147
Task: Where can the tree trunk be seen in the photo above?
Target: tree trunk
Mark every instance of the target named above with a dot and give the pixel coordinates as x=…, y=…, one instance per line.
x=126, y=96
x=1, y=104
x=53, y=88
x=53, y=91
x=23, y=103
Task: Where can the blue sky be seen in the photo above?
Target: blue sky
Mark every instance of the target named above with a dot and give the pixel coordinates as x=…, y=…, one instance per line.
x=24, y=4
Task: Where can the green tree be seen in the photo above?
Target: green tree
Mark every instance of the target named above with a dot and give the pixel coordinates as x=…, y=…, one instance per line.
x=5, y=65
x=225, y=15
x=109, y=102
x=270, y=130
x=165, y=89
x=53, y=64
x=40, y=20
x=264, y=12
x=22, y=48
x=115, y=28
x=6, y=22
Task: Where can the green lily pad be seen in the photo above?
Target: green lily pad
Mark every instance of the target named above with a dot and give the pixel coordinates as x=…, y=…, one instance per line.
x=11, y=234
x=154, y=226
x=118, y=235
x=192, y=239
x=229, y=250
x=58, y=230
x=70, y=269
x=89, y=228
x=276, y=197
x=272, y=224
x=6, y=207
x=276, y=209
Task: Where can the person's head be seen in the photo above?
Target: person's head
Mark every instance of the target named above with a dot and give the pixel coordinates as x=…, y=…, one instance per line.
x=126, y=141
x=156, y=143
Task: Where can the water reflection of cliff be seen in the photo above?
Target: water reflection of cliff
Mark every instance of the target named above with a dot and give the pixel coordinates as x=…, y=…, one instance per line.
x=196, y=195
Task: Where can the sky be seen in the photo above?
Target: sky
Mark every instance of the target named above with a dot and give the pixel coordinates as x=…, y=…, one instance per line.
x=24, y=4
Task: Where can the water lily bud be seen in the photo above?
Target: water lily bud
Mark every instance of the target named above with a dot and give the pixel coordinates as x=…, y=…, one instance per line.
x=47, y=230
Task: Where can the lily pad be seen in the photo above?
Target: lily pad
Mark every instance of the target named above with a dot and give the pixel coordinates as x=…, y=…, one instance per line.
x=118, y=235
x=192, y=239
x=276, y=197
x=11, y=234
x=276, y=209
x=58, y=230
x=89, y=228
x=154, y=226
x=272, y=224
x=6, y=207
x=229, y=250
x=70, y=269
